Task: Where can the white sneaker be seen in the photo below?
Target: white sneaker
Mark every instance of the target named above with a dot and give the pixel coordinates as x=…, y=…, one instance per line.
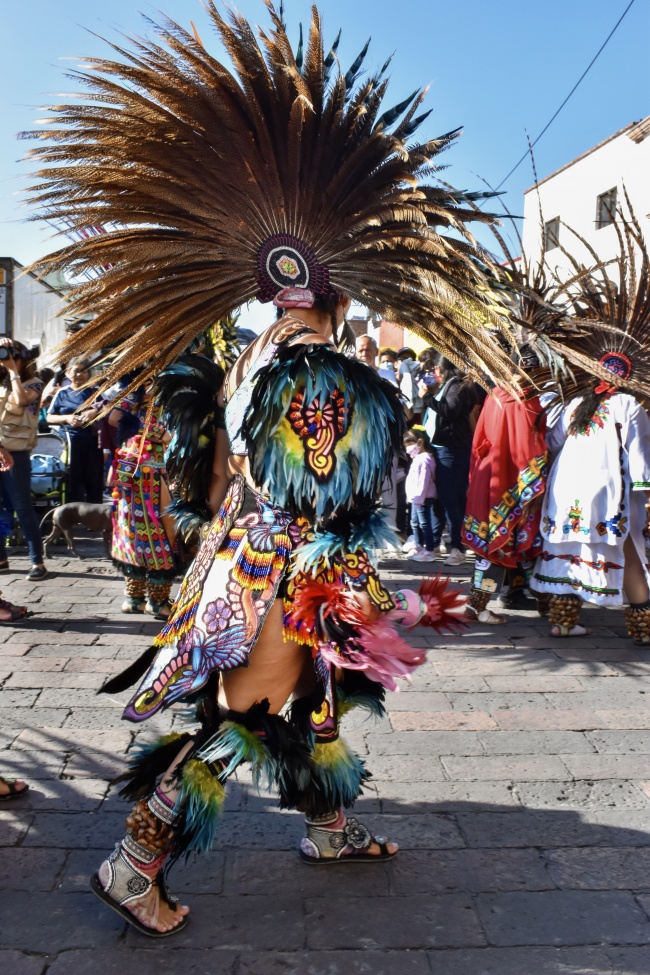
x=438, y=552
x=409, y=544
x=424, y=555
x=455, y=557
x=410, y=551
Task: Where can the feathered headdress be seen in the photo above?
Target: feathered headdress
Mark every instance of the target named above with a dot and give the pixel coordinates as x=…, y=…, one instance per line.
x=609, y=334
x=190, y=188
x=540, y=306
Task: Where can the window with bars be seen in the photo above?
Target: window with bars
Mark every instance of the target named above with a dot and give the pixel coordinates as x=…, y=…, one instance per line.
x=552, y=234
x=606, y=209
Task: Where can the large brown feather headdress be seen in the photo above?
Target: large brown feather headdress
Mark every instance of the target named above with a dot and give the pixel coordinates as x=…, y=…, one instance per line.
x=607, y=334
x=190, y=188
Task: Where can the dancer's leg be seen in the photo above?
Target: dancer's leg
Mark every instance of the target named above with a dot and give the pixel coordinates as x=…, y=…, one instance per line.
x=276, y=671
x=634, y=578
x=564, y=612
x=130, y=876
x=158, y=590
x=637, y=614
x=487, y=581
x=134, y=591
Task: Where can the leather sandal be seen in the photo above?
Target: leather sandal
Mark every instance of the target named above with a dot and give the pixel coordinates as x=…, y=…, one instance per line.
x=484, y=616
x=559, y=631
x=159, y=611
x=324, y=846
x=13, y=793
x=17, y=612
x=127, y=884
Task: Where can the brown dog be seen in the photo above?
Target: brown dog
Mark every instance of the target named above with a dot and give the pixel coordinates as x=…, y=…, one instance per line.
x=95, y=517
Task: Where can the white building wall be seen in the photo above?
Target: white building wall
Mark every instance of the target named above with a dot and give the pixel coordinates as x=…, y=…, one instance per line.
x=36, y=312
x=572, y=193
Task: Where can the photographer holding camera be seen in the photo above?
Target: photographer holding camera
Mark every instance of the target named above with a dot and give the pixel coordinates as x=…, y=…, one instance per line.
x=20, y=394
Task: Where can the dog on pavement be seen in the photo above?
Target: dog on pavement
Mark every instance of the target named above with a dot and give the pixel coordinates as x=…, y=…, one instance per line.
x=94, y=517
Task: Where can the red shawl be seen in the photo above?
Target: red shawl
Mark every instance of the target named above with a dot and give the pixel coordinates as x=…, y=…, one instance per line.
x=507, y=479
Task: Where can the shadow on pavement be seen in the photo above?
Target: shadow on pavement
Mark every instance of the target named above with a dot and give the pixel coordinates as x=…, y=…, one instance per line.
x=477, y=888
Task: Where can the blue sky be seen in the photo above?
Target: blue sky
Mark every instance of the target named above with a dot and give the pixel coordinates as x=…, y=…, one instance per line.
x=498, y=69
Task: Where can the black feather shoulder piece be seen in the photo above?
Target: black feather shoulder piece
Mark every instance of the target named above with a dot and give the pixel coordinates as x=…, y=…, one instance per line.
x=187, y=393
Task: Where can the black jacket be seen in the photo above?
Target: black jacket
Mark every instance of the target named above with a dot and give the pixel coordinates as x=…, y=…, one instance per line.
x=453, y=410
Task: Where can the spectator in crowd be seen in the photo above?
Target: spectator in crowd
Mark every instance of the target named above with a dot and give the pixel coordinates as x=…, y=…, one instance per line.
x=366, y=350
x=421, y=493
x=449, y=404
x=409, y=373
x=406, y=370
x=427, y=360
x=74, y=407
x=20, y=393
x=387, y=365
x=393, y=497
x=53, y=384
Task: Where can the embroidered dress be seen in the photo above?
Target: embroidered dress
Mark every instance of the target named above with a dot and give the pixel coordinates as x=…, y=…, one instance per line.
x=594, y=500
x=140, y=541
x=507, y=480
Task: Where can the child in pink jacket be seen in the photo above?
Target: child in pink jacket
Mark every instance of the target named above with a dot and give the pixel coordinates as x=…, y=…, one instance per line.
x=421, y=493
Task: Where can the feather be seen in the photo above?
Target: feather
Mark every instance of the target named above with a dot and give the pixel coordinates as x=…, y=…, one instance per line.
x=187, y=392
x=358, y=691
x=200, y=803
x=338, y=773
x=233, y=744
x=171, y=169
x=147, y=763
x=369, y=432
x=377, y=650
x=443, y=605
x=130, y=674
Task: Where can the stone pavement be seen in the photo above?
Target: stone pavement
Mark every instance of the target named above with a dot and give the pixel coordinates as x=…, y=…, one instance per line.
x=514, y=773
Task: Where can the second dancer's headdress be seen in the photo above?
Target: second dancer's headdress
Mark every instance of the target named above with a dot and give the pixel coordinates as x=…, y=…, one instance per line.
x=191, y=188
x=607, y=338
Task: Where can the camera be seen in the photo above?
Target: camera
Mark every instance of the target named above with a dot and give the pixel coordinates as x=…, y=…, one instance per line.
x=19, y=351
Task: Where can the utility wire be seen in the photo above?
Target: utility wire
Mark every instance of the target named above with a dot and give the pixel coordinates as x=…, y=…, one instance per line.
x=583, y=75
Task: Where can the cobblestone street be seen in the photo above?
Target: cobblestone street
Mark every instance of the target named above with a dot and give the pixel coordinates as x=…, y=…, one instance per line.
x=514, y=773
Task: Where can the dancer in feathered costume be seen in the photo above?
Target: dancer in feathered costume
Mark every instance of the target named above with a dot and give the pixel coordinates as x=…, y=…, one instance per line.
x=507, y=480
x=143, y=537
x=281, y=180
x=594, y=517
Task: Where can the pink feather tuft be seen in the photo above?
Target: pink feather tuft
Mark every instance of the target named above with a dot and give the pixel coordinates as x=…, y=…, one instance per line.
x=379, y=651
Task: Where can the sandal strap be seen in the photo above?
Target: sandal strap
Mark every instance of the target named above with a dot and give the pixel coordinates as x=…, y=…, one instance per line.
x=11, y=785
x=492, y=619
x=169, y=899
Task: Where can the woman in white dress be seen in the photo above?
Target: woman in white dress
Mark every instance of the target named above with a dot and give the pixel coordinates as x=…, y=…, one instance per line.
x=594, y=515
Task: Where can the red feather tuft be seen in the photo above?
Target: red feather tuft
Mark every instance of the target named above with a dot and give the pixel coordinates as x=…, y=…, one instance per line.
x=317, y=600
x=443, y=605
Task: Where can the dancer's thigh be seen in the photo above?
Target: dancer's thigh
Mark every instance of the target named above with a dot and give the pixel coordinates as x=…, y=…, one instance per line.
x=276, y=668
